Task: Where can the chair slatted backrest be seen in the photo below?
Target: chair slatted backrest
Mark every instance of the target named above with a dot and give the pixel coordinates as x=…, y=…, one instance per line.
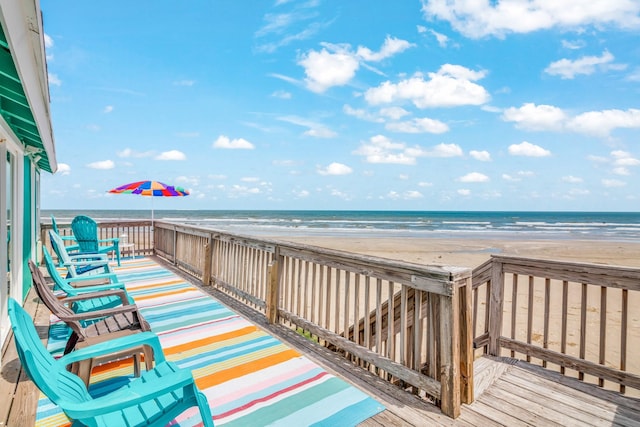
x=55, y=382
x=85, y=230
x=50, y=300
x=59, y=282
x=58, y=247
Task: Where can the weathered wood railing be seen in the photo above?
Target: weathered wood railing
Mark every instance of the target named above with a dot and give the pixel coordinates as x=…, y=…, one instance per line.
x=412, y=321
x=580, y=319
x=138, y=232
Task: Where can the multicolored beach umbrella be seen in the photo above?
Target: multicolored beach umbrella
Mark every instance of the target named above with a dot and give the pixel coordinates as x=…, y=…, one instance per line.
x=151, y=189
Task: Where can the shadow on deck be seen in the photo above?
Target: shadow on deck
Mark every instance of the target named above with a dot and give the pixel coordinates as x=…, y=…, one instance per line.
x=508, y=392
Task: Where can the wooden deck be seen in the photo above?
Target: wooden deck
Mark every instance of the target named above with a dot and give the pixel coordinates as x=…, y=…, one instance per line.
x=508, y=392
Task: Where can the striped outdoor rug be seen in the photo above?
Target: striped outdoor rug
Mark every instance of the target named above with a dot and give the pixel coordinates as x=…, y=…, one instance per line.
x=249, y=377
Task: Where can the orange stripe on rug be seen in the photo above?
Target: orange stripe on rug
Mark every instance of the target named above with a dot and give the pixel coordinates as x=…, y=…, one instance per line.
x=165, y=294
x=245, y=369
x=210, y=340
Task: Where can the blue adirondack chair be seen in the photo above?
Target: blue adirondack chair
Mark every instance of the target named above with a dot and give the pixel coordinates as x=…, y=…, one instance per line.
x=79, y=263
x=85, y=230
x=84, y=284
x=156, y=398
x=70, y=248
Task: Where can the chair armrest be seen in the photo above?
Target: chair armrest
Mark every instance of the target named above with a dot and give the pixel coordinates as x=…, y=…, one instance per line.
x=116, y=345
x=139, y=394
x=79, y=262
x=83, y=296
x=113, y=278
x=111, y=239
x=100, y=314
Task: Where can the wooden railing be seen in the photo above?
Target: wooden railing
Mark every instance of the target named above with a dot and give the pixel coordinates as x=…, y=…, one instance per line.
x=138, y=232
x=407, y=323
x=579, y=319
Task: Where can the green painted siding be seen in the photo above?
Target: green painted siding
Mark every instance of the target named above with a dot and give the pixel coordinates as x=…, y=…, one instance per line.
x=28, y=228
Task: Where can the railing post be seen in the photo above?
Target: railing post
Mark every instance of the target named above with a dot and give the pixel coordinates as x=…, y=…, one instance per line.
x=449, y=353
x=208, y=256
x=175, y=245
x=273, y=287
x=466, y=340
x=496, y=302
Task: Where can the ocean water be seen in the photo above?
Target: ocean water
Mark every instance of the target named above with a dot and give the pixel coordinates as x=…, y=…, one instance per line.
x=611, y=226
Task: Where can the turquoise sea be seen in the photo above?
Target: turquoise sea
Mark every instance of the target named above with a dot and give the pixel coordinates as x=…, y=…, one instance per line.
x=611, y=226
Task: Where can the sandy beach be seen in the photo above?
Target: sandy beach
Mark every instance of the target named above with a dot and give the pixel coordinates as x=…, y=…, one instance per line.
x=473, y=252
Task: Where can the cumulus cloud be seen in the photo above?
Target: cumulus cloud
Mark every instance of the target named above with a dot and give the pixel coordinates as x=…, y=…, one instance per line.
x=325, y=69
x=451, y=86
x=464, y=192
x=337, y=64
x=529, y=150
x=568, y=69
x=483, y=156
x=390, y=47
x=102, y=165
x=128, y=152
x=535, y=117
x=335, y=169
x=380, y=149
x=108, y=109
x=601, y=123
x=550, y=118
x=54, y=79
x=171, y=155
x=481, y=18
x=232, y=144
x=419, y=125
x=63, y=169
x=474, y=177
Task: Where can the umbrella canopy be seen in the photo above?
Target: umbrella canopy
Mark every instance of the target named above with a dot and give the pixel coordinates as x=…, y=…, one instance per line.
x=151, y=189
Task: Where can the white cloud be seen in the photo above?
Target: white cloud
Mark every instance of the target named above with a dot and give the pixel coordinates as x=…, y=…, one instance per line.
x=425, y=184
x=623, y=158
x=412, y=194
x=535, y=117
x=572, y=179
x=326, y=69
x=187, y=180
x=601, y=123
x=419, y=125
x=394, y=113
x=250, y=179
x=573, y=44
x=568, y=69
x=102, y=165
x=54, y=80
x=361, y=114
x=529, y=150
x=464, y=192
x=128, y=152
x=63, y=169
x=480, y=18
x=482, y=156
x=390, y=47
x=301, y=194
x=232, y=144
x=335, y=169
x=48, y=41
x=474, y=177
x=444, y=150
x=611, y=183
x=451, y=86
x=108, y=109
x=171, y=155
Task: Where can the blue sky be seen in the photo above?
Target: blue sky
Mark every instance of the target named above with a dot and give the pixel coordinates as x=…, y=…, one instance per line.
x=328, y=104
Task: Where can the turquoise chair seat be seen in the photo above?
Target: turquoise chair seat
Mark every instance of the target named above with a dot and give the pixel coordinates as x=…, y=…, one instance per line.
x=85, y=231
x=156, y=398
